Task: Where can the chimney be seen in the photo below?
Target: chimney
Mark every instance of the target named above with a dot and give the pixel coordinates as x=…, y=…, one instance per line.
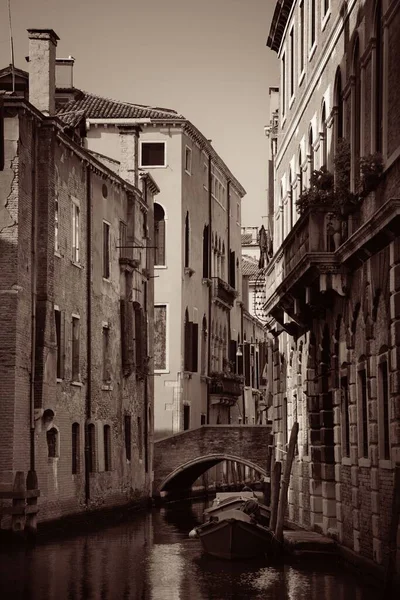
x=42, y=69
x=65, y=73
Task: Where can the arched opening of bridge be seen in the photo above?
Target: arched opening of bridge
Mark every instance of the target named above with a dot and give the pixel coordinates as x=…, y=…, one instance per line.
x=224, y=470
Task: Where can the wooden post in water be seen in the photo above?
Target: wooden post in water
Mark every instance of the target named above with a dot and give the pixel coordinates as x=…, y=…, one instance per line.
x=393, y=534
x=275, y=484
x=285, y=483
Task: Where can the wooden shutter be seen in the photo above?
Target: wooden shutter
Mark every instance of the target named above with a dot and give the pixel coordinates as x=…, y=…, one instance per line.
x=127, y=338
x=247, y=363
x=138, y=337
x=62, y=344
x=187, y=346
x=232, y=354
x=195, y=346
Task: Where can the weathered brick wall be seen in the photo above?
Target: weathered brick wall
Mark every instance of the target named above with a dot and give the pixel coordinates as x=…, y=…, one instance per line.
x=247, y=442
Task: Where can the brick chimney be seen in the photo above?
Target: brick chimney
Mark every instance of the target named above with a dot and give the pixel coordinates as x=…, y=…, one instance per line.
x=42, y=69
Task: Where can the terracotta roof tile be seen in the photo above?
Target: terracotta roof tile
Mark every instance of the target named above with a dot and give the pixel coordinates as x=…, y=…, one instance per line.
x=250, y=266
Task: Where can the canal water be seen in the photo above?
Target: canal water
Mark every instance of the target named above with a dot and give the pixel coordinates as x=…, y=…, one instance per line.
x=150, y=557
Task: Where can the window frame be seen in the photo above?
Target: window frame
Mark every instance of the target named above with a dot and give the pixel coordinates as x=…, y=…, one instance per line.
x=188, y=163
x=362, y=414
x=76, y=231
x=75, y=448
x=385, y=460
x=283, y=79
x=77, y=380
x=312, y=29
x=302, y=45
x=106, y=258
x=106, y=356
x=292, y=45
x=167, y=369
x=162, y=265
x=141, y=165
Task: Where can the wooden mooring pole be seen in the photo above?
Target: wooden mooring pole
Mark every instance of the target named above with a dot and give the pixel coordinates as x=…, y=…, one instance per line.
x=285, y=483
x=276, y=470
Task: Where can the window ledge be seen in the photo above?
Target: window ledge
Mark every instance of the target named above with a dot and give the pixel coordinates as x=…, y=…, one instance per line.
x=152, y=167
x=59, y=380
x=77, y=383
x=161, y=371
x=291, y=101
x=206, y=281
x=78, y=265
x=283, y=121
x=301, y=78
x=312, y=51
x=386, y=464
x=346, y=461
x=325, y=19
x=364, y=462
x=187, y=374
x=205, y=378
x=160, y=267
x=188, y=172
x=56, y=253
x=106, y=280
x=107, y=387
x=189, y=271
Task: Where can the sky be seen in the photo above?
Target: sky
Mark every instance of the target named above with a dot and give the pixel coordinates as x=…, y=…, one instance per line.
x=206, y=59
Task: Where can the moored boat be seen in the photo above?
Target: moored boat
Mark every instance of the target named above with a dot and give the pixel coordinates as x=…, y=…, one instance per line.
x=233, y=534
x=231, y=500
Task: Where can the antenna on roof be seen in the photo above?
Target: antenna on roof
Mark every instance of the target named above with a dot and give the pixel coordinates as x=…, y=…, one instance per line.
x=11, y=46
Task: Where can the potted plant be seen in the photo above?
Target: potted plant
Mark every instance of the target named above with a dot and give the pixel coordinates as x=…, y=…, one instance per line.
x=371, y=168
x=321, y=190
x=345, y=200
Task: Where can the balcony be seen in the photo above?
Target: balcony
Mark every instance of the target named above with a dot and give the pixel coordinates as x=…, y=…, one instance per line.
x=223, y=293
x=315, y=260
x=225, y=388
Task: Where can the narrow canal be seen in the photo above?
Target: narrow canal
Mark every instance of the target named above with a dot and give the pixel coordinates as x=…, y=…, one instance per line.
x=150, y=557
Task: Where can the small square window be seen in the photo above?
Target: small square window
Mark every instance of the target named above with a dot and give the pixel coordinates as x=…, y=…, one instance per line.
x=188, y=160
x=152, y=154
x=106, y=250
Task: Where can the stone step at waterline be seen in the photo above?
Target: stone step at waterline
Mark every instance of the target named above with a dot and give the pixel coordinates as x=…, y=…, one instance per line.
x=302, y=542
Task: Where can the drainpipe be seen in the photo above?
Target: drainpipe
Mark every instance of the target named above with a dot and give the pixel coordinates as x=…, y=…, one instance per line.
x=146, y=376
x=244, y=362
x=33, y=300
x=88, y=407
x=210, y=288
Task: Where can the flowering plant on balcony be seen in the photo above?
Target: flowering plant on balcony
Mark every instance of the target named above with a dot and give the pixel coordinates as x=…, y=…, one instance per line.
x=321, y=190
x=371, y=168
x=219, y=376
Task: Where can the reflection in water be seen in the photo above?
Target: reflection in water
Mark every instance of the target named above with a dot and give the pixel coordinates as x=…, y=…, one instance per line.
x=151, y=558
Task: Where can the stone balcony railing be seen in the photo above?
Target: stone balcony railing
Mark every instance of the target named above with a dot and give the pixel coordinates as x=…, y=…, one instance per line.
x=224, y=292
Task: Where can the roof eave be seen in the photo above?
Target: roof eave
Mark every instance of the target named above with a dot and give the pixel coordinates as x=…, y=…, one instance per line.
x=278, y=25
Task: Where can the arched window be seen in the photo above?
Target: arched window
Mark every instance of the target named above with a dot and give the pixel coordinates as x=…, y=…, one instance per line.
x=300, y=173
x=75, y=448
x=107, y=447
x=206, y=251
x=187, y=240
x=311, y=152
x=338, y=125
x=356, y=112
x=324, y=140
x=378, y=91
x=52, y=442
x=159, y=235
x=92, y=447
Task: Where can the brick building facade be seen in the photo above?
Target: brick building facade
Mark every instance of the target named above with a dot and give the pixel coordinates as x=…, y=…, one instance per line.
x=333, y=283
x=76, y=297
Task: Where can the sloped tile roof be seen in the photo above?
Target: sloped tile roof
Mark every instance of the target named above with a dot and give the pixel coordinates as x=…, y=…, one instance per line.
x=96, y=107
x=249, y=266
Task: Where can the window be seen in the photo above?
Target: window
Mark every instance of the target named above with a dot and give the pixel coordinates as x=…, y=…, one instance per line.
x=106, y=250
x=324, y=133
x=301, y=51
x=75, y=349
x=187, y=240
x=159, y=235
x=232, y=269
x=75, y=449
x=127, y=337
x=206, y=251
x=59, y=318
x=363, y=414
x=191, y=331
x=124, y=252
x=91, y=432
x=312, y=22
x=160, y=337
x=106, y=354
x=52, y=442
x=338, y=125
x=344, y=389
x=140, y=437
x=311, y=152
x=107, y=447
x=186, y=417
x=140, y=337
x=379, y=77
x=238, y=212
x=152, y=154
x=356, y=114
x=56, y=229
x=128, y=439
x=291, y=42
x=384, y=415
x=188, y=160
x=204, y=334
x=283, y=85
x=75, y=232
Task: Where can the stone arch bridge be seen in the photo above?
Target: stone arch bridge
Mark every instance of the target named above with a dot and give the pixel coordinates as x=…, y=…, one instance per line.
x=181, y=458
